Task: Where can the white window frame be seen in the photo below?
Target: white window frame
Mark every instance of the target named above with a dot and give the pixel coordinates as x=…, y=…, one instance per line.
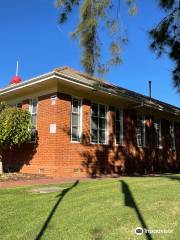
x=158, y=121
x=106, y=124
x=79, y=119
x=172, y=135
x=16, y=105
x=141, y=119
x=121, y=127
x=34, y=114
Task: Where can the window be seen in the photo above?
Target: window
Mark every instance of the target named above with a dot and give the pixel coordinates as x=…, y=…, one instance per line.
x=53, y=99
x=119, y=126
x=98, y=123
x=140, y=131
x=172, y=135
x=157, y=128
x=19, y=105
x=33, y=112
x=76, y=120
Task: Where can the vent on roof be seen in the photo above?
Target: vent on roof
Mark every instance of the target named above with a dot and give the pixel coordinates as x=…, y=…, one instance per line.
x=150, y=89
x=16, y=79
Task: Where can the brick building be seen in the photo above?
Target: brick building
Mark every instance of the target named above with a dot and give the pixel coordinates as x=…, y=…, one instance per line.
x=86, y=126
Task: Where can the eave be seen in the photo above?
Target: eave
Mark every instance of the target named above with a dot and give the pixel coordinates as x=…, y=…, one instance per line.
x=135, y=100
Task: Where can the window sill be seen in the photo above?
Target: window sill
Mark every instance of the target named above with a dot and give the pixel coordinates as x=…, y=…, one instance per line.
x=76, y=141
x=119, y=145
x=99, y=143
x=160, y=147
x=142, y=146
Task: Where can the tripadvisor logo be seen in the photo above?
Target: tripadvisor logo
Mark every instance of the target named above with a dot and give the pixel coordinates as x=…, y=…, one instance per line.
x=139, y=231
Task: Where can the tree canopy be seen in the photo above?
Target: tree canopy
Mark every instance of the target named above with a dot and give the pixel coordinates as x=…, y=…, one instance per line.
x=166, y=36
x=97, y=16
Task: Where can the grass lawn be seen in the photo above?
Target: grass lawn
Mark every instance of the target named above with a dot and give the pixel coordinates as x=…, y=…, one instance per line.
x=100, y=210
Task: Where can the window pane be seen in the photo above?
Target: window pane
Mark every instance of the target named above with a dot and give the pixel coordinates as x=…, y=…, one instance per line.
x=157, y=132
x=75, y=105
x=33, y=135
x=140, y=131
x=75, y=135
x=139, y=140
x=102, y=136
x=157, y=141
x=98, y=123
x=75, y=118
x=34, y=105
x=118, y=137
x=102, y=123
x=118, y=126
x=102, y=111
x=94, y=123
x=172, y=135
x=94, y=136
x=34, y=120
x=117, y=115
x=171, y=128
x=19, y=105
x=94, y=110
x=33, y=112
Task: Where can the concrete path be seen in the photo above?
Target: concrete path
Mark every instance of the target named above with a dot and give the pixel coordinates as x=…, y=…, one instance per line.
x=44, y=181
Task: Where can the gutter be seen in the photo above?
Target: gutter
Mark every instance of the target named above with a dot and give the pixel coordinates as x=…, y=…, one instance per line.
x=101, y=86
x=144, y=101
x=29, y=82
x=141, y=99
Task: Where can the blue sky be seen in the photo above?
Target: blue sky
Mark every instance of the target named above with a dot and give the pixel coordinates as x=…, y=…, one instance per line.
x=30, y=34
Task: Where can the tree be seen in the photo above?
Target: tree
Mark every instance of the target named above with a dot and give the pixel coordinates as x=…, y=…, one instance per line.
x=15, y=127
x=104, y=15
x=95, y=16
x=166, y=36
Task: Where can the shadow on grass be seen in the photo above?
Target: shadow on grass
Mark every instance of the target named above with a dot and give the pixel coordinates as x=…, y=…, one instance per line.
x=130, y=202
x=97, y=234
x=170, y=176
x=60, y=198
x=174, y=178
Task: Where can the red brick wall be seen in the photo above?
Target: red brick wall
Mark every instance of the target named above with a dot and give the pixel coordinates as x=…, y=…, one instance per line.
x=36, y=157
x=56, y=155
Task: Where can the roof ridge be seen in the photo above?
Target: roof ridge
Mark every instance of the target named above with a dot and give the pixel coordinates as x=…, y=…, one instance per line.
x=83, y=74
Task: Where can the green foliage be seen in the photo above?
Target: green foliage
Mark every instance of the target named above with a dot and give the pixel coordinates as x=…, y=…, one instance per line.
x=15, y=127
x=67, y=6
x=3, y=105
x=166, y=4
x=166, y=36
x=98, y=16
x=95, y=17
